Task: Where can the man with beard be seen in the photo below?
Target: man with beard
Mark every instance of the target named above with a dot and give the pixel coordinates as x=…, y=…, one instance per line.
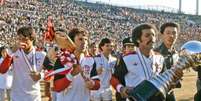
x=138, y=66
x=169, y=33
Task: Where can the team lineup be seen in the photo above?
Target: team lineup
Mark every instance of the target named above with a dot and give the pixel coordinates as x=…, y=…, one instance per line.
x=79, y=70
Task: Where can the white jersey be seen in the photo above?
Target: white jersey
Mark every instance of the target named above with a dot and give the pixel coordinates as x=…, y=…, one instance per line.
x=141, y=68
x=77, y=91
x=6, y=79
x=24, y=88
x=108, y=67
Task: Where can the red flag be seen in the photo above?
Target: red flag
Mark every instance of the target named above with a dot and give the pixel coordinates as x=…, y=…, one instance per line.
x=49, y=34
x=62, y=71
x=2, y=2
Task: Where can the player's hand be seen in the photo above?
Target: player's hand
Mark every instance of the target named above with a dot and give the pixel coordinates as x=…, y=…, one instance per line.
x=89, y=84
x=35, y=76
x=76, y=70
x=124, y=92
x=178, y=74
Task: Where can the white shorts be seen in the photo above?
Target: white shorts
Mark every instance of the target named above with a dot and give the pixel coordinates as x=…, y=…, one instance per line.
x=101, y=95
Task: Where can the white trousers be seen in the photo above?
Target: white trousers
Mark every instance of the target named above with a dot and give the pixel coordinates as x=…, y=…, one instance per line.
x=102, y=95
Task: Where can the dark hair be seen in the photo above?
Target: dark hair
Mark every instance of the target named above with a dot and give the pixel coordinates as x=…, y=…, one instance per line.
x=103, y=42
x=137, y=32
x=27, y=31
x=168, y=24
x=76, y=31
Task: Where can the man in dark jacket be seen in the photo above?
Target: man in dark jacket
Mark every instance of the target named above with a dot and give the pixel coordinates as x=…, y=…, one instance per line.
x=169, y=33
x=128, y=47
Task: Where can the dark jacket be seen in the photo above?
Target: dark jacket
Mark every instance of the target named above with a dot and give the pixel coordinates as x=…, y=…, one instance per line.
x=168, y=56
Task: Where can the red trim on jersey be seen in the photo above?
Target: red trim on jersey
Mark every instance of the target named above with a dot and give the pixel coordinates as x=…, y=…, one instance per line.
x=5, y=65
x=51, y=73
x=114, y=82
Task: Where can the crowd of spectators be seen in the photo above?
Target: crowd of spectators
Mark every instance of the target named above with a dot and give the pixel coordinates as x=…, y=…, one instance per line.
x=99, y=20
